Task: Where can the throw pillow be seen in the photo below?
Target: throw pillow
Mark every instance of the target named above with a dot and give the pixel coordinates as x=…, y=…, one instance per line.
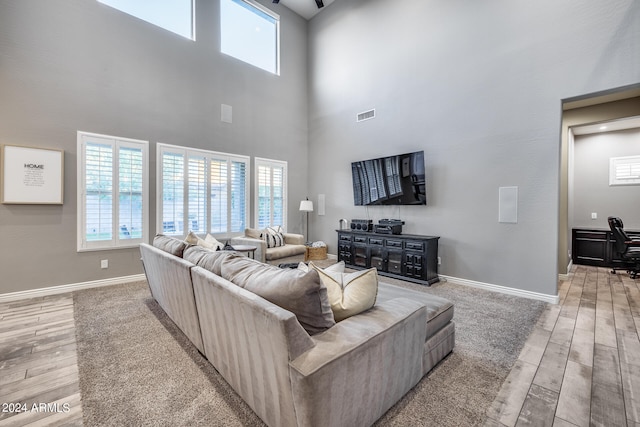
x=215, y=243
x=273, y=237
x=301, y=293
x=349, y=293
x=338, y=267
x=169, y=244
x=209, y=242
x=253, y=233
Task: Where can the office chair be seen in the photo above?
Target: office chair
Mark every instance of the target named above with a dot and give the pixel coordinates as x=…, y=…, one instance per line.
x=627, y=248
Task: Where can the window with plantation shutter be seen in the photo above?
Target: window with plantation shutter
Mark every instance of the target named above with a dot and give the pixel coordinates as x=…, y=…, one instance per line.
x=202, y=191
x=112, y=192
x=624, y=170
x=271, y=193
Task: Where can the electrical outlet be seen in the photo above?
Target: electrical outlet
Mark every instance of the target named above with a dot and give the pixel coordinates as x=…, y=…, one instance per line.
x=439, y=261
x=104, y=263
x=594, y=215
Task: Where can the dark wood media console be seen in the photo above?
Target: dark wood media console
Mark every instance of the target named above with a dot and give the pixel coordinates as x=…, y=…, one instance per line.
x=592, y=246
x=403, y=256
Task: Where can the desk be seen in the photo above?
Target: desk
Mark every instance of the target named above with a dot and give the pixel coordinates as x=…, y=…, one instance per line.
x=250, y=250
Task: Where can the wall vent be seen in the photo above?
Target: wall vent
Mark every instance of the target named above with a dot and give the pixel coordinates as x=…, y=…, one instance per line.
x=367, y=115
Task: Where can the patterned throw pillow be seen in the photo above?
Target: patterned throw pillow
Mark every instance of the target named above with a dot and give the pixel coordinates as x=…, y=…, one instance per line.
x=273, y=237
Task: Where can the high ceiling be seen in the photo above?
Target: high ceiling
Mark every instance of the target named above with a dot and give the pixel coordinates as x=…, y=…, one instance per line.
x=305, y=8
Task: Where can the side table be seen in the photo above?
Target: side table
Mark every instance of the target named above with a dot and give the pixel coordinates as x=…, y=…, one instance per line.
x=250, y=250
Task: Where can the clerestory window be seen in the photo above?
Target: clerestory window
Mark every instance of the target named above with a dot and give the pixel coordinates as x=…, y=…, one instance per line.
x=250, y=32
x=174, y=15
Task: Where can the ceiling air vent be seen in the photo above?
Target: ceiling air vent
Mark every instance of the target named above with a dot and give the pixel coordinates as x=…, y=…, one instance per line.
x=371, y=114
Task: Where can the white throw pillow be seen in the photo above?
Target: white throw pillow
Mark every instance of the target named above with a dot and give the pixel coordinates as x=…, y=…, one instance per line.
x=338, y=267
x=349, y=293
x=214, y=243
x=208, y=242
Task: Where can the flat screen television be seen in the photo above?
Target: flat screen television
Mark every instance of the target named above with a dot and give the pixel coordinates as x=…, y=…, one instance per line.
x=392, y=180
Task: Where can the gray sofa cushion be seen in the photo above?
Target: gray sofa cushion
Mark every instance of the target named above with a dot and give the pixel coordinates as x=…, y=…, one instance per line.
x=301, y=293
x=439, y=310
x=169, y=244
x=193, y=253
x=284, y=251
x=207, y=258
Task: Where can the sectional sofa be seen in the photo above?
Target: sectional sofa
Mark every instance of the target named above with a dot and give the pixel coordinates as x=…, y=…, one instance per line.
x=271, y=334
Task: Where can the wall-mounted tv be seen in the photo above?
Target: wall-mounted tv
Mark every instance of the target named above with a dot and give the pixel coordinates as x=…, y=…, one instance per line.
x=392, y=180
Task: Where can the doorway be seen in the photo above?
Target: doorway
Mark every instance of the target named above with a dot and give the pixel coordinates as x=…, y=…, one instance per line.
x=587, y=114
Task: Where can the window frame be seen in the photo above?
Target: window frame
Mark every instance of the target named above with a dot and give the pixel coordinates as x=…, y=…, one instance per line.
x=614, y=162
x=260, y=10
x=115, y=242
x=209, y=156
x=271, y=163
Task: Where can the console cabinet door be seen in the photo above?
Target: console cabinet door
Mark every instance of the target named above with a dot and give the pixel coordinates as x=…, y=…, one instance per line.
x=344, y=248
x=394, y=261
x=414, y=264
x=376, y=253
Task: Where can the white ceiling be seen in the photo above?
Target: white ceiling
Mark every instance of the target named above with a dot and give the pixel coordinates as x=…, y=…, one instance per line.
x=305, y=8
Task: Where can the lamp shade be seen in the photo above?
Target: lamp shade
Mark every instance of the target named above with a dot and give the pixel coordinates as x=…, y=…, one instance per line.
x=306, y=206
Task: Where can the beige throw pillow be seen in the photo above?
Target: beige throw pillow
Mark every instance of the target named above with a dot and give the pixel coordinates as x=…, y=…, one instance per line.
x=209, y=242
x=214, y=243
x=349, y=293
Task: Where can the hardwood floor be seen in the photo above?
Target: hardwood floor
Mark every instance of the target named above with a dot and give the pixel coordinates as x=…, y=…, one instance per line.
x=38, y=366
x=581, y=364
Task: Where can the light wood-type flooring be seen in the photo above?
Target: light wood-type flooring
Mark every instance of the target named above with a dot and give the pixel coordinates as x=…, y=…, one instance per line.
x=38, y=364
x=581, y=364
x=579, y=367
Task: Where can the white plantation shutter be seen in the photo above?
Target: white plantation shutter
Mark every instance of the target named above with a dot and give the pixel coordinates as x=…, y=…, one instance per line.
x=624, y=170
x=263, y=178
x=219, y=192
x=271, y=185
x=239, y=196
x=112, y=192
x=172, y=193
x=98, y=191
x=216, y=191
x=197, y=182
x=131, y=203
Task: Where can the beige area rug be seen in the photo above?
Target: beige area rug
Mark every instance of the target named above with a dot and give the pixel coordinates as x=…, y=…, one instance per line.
x=137, y=368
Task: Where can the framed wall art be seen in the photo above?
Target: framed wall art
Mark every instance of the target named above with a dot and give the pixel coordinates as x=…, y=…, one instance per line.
x=31, y=175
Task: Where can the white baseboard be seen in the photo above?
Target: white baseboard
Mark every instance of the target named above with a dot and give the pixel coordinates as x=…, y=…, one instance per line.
x=568, y=275
x=34, y=293
x=553, y=299
x=332, y=256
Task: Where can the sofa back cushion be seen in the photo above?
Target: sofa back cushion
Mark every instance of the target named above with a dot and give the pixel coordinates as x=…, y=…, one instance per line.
x=301, y=293
x=208, y=259
x=169, y=244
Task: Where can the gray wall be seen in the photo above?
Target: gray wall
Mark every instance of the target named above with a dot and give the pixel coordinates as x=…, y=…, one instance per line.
x=478, y=86
x=591, y=190
x=69, y=65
